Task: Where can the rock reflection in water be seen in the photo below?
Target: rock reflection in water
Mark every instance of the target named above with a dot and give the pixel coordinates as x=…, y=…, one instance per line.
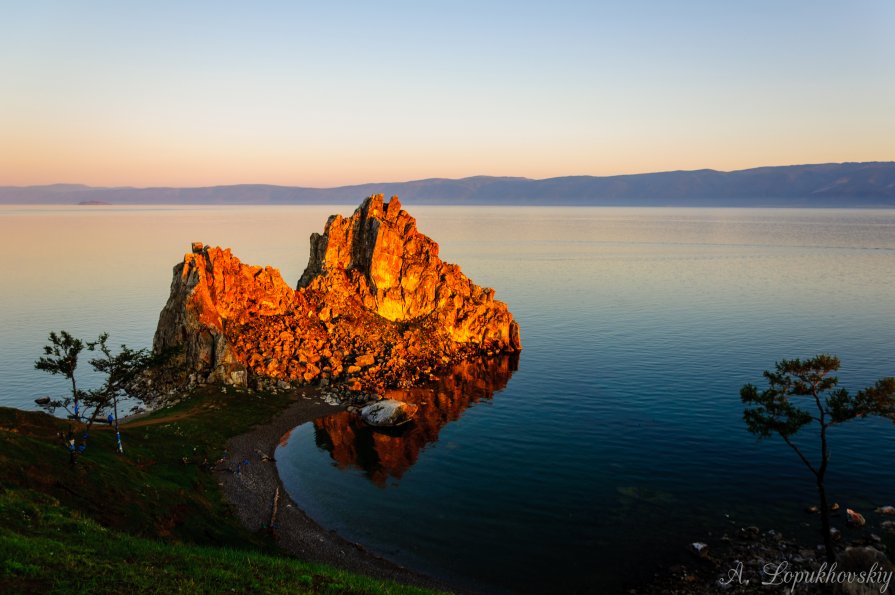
x=384, y=453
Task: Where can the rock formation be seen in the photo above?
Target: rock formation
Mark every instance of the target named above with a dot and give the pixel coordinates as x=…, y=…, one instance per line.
x=375, y=308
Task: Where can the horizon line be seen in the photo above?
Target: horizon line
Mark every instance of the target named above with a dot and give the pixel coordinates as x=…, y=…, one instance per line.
x=430, y=179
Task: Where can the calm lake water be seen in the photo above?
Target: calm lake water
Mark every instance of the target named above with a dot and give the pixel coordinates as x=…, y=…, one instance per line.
x=613, y=441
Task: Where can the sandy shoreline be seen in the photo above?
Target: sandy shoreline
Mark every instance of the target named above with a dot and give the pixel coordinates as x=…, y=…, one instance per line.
x=254, y=489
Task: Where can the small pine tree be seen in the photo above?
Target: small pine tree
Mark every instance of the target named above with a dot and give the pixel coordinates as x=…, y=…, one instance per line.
x=775, y=411
x=121, y=371
x=61, y=357
x=85, y=407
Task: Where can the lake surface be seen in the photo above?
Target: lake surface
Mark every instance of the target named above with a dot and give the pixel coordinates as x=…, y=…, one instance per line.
x=613, y=441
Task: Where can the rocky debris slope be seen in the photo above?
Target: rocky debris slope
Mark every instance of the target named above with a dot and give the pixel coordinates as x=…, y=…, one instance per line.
x=375, y=308
x=748, y=560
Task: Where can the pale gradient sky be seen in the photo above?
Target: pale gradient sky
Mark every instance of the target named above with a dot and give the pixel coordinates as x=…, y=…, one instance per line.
x=324, y=94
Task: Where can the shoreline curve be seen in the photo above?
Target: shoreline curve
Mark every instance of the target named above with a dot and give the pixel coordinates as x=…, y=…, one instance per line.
x=252, y=493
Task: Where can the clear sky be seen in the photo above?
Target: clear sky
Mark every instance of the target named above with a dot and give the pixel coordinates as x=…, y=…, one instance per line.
x=330, y=93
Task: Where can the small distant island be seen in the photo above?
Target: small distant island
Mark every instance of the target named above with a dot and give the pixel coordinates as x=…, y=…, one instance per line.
x=91, y=203
x=854, y=185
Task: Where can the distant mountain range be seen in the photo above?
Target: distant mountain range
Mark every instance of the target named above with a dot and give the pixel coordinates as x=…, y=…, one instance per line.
x=869, y=184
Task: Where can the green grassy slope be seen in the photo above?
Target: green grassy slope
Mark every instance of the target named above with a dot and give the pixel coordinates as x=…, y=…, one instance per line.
x=153, y=520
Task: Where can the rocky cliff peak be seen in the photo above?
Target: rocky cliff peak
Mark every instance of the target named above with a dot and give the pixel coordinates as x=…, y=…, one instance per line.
x=379, y=241
x=375, y=307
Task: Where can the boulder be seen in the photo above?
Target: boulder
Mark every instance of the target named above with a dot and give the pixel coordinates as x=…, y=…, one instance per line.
x=855, y=518
x=388, y=412
x=874, y=564
x=699, y=549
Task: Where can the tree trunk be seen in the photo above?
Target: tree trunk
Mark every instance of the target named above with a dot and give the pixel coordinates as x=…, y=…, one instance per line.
x=821, y=491
x=825, y=521
x=74, y=394
x=69, y=441
x=118, y=446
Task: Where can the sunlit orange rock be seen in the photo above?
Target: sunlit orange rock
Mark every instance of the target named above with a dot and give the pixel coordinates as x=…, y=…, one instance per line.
x=211, y=294
x=379, y=256
x=375, y=308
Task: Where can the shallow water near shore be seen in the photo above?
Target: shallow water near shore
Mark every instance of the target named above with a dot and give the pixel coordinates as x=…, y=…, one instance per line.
x=613, y=441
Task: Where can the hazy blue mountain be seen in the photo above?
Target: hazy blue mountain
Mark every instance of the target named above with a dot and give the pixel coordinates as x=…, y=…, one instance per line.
x=825, y=185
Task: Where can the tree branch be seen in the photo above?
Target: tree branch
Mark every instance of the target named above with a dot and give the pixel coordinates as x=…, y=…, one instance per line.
x=799, y=452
